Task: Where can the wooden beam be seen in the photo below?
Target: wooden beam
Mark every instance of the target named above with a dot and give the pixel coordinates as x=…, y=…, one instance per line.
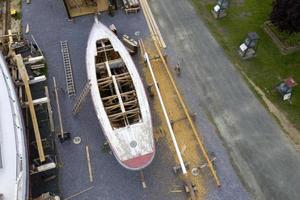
x=118, y=93
x=25, y=78
x=50, y=112
x=104, y=50
x=10, y=37
x=105, y=83
x=134, y=111
x=153, y=27
x=115, y=61
x=38, y=101
x=103, y=47
x=33, y=81
x=58, y=109
x=122, y=94
x=103, y=80
x=187, y=113
x=88, y=157
x=112, y=107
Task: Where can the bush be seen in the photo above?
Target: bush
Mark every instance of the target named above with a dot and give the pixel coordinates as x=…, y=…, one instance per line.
x=286, y=15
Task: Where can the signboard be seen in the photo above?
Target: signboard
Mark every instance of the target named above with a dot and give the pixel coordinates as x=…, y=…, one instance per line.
x=217, y=8
x=243, y=47
x=287, y=96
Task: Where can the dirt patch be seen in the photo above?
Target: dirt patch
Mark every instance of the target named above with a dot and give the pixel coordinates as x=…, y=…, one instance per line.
x=186, y=141
x=16, y=20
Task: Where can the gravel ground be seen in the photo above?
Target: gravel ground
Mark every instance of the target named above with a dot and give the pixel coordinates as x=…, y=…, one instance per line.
x=48, y=23
x=267, y=162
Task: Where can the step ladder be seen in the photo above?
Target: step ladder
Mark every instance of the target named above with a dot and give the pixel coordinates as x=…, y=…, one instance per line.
x=68, y=67
x=81, y=98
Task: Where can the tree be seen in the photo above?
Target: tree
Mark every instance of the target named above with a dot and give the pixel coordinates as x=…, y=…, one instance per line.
x=286, y=15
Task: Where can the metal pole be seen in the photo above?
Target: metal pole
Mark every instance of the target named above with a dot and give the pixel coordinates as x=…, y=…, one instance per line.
x=58, y=109
x=166, y=117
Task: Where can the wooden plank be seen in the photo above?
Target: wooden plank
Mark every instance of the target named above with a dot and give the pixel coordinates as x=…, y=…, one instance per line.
x=134, y=111
x=79, y=193
x=38, y=101
x=89, y=163
x=10, y=38
x=118, y=93
x=187, y=113
x=25, y=78
x=58, y=109
x=50, y=112
x=166, y=115
x=155, y=32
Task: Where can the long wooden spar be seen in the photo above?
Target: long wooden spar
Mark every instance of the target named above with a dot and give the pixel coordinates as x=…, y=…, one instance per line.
x=158, y=40
x=25, y=78
x=199, y=141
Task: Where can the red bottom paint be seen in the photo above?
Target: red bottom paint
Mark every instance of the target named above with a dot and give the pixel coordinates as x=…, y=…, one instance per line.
x=139, y=162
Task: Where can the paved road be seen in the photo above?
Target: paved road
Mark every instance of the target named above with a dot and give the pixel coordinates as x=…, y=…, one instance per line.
x=48, y=23
x=265, y=159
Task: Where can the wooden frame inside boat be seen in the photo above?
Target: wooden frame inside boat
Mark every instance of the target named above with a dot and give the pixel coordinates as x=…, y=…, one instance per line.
x=116, y=87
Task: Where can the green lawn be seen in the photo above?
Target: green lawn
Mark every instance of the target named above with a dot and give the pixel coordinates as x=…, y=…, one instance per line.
x=270, y=66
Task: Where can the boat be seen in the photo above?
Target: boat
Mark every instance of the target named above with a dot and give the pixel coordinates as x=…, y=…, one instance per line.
x=119, y=99
x=14, y=176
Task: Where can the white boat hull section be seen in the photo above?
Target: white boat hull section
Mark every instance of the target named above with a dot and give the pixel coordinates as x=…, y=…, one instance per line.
x=120, y=138
x=13, y=163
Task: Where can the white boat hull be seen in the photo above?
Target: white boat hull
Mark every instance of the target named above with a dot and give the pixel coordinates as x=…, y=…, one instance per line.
x=13, y=149
x=126, y=124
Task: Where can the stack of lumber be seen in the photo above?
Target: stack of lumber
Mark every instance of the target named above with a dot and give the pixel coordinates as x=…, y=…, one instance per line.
x=131, y=5
x=154, y=30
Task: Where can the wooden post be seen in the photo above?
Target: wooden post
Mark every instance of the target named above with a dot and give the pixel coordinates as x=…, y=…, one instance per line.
x=50, y=112
x=58, y=109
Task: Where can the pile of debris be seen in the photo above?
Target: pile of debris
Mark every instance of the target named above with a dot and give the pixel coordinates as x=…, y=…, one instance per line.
x=131, y=6
x=130, y=43
x=28, y=70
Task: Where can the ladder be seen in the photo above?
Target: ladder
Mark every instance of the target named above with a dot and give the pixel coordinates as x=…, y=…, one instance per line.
x=81, y=98
x=68, y=67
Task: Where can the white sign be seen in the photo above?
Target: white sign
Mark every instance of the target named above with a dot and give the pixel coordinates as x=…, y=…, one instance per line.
x=217, y=8
x=287, y=96
x=243, y=47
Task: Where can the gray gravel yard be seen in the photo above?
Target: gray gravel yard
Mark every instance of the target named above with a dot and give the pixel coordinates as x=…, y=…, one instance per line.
x=205, y=90
x=48, y=23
